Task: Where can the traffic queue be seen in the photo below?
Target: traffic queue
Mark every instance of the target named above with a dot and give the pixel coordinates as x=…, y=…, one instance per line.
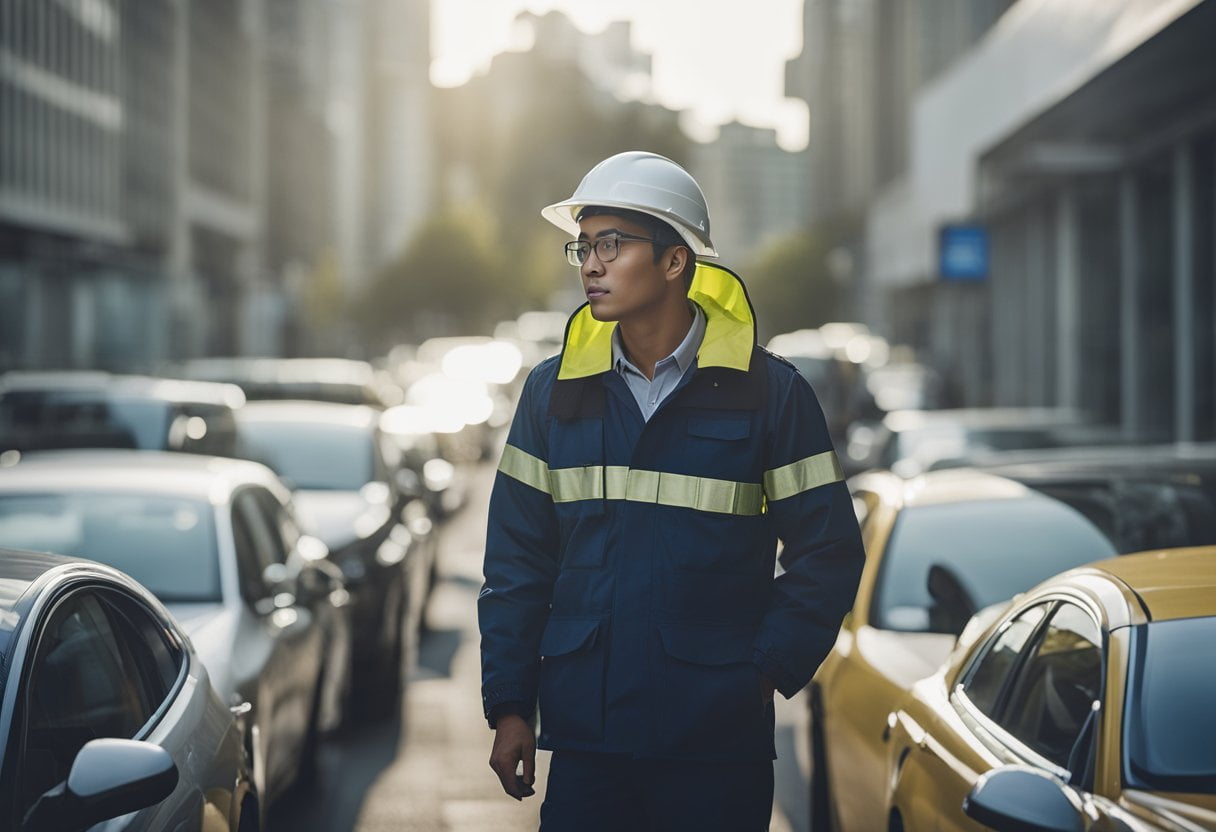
x=206, y=577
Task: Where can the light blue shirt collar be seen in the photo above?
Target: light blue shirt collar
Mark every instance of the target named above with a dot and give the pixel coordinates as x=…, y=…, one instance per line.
x=684, y=354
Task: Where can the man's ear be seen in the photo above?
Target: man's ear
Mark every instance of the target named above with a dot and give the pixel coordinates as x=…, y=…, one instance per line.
x=677, y=260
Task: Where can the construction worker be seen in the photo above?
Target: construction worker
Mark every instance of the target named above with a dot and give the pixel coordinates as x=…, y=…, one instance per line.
x=650, y=470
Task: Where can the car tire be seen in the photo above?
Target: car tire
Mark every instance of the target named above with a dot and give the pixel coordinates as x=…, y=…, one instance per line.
x=823, y=817
x=249, y=816
x=307, y=773
x=385, y=695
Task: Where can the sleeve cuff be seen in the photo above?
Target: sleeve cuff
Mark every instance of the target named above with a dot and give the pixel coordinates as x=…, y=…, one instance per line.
x=505, y=708
x=776, y=674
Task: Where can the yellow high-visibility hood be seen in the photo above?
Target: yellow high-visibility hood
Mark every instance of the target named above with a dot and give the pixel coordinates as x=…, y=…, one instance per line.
x=730, y=328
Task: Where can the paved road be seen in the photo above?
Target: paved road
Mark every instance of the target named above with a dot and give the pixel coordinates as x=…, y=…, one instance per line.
x=427, y=770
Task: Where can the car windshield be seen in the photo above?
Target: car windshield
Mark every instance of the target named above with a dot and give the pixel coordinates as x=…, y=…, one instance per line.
x=48, y=419
x=165, y=543
x=984, y=551
x=1139, y=514
x=330, y=457
x=1169, y=721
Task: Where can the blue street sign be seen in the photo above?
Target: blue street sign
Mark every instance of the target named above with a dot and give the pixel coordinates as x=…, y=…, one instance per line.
x=963, y=252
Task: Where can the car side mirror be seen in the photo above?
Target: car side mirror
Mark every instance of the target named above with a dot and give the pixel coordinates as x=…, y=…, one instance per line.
x=109, y=778
x=952, y=605
x=1021, y=799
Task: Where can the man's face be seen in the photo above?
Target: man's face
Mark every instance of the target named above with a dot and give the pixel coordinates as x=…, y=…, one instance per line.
x=628, y=286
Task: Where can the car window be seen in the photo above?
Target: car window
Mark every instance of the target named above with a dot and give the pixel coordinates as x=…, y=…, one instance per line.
x=165, y=542
x=267, y=542
x=83, y=684
x=157, y=654
x=203, y=429
x=284, y=532
x=248, y=561
x=1057, y=685
x=43, y=419
x=986, y=677
x=990, y=549
x=1141, y=514
x=1168, y=721
x=327, y=457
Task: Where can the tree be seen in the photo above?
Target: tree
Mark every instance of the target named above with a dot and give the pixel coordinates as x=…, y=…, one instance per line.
x=451, y=278
x=791, y=285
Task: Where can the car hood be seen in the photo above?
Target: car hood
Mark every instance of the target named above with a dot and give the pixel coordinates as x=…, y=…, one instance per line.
x=212, y=630
x=904, y=657
x=331, y=515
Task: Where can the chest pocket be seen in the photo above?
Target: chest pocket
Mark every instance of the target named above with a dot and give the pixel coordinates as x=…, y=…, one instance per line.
x=576, y=451
x=722, y=429
x=721, y=448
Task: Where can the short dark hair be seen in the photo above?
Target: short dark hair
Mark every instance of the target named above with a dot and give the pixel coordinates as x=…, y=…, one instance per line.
x=665, y=235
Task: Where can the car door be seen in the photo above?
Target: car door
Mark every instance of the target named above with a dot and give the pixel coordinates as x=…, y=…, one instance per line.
x=321, y=588
x=95, y=675
x=288, y=654
x=854, y=697
x=1030, y=697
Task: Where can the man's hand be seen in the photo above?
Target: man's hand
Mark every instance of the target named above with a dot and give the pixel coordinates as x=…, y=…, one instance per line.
x=513, y=742
x=766, y=689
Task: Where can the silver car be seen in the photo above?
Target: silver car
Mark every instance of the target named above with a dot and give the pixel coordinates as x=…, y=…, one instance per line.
x=107, y=720
x=214, y=540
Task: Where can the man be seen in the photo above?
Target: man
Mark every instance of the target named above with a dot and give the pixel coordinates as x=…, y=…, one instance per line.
x=650, y=470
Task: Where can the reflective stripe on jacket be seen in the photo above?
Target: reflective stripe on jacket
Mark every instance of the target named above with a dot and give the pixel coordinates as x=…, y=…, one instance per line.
x=630, y=565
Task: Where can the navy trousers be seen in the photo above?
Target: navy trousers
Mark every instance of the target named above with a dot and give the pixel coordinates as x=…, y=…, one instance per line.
x=619, y=793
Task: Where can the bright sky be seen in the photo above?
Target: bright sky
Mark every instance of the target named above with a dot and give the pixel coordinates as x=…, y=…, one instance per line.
x=724, y=64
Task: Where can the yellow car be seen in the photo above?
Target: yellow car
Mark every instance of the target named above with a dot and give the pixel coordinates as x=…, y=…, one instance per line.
x=943, y=545
x=1087, y=705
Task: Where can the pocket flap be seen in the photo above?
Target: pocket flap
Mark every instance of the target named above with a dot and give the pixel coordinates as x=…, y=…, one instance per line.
x=720, y=428
x=707, y=645
x=566, y=635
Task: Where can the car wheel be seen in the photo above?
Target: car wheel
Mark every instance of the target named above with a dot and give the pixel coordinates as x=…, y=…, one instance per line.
x=385, y=696
x=306, y=775
x=822, y=815
x=249, y=816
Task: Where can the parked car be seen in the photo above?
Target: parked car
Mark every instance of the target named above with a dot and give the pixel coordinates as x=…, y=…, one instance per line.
x=215, y=541
x=350, y=492
x=1086, y=706
x=107, y=713
x=941, y=546
x=339, y=380
x=51, y=410
x=910, y=442
x=443, y=485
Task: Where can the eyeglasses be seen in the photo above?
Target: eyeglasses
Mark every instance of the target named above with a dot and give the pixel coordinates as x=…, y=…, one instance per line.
x=606, y=248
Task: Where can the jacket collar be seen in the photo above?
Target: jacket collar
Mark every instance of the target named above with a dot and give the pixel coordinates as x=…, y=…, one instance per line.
x=730, y=328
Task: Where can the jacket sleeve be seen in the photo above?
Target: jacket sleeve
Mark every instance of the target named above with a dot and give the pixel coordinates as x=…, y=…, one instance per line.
x=823, y=556
x=521, y=560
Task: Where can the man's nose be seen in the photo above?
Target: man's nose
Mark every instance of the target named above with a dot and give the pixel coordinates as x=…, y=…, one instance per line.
x=592, y=266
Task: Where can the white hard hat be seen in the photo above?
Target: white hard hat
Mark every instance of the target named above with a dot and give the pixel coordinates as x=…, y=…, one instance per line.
x=645, y=182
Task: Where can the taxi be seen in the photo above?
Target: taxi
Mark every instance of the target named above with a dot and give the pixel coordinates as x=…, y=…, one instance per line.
x=1086, y=705
x=946, y=544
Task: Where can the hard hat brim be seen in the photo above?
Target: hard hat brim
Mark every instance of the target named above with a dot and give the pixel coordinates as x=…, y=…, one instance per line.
x=564, y=215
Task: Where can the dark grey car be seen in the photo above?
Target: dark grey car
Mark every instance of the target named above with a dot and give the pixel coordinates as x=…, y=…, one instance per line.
x=53, y=410
x=106, y=712
x=347, y=488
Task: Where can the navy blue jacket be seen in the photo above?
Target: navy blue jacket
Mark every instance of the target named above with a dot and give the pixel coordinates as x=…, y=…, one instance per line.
x=629, y=566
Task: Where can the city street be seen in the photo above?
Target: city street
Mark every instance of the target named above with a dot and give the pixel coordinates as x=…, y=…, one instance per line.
x=428, y=771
